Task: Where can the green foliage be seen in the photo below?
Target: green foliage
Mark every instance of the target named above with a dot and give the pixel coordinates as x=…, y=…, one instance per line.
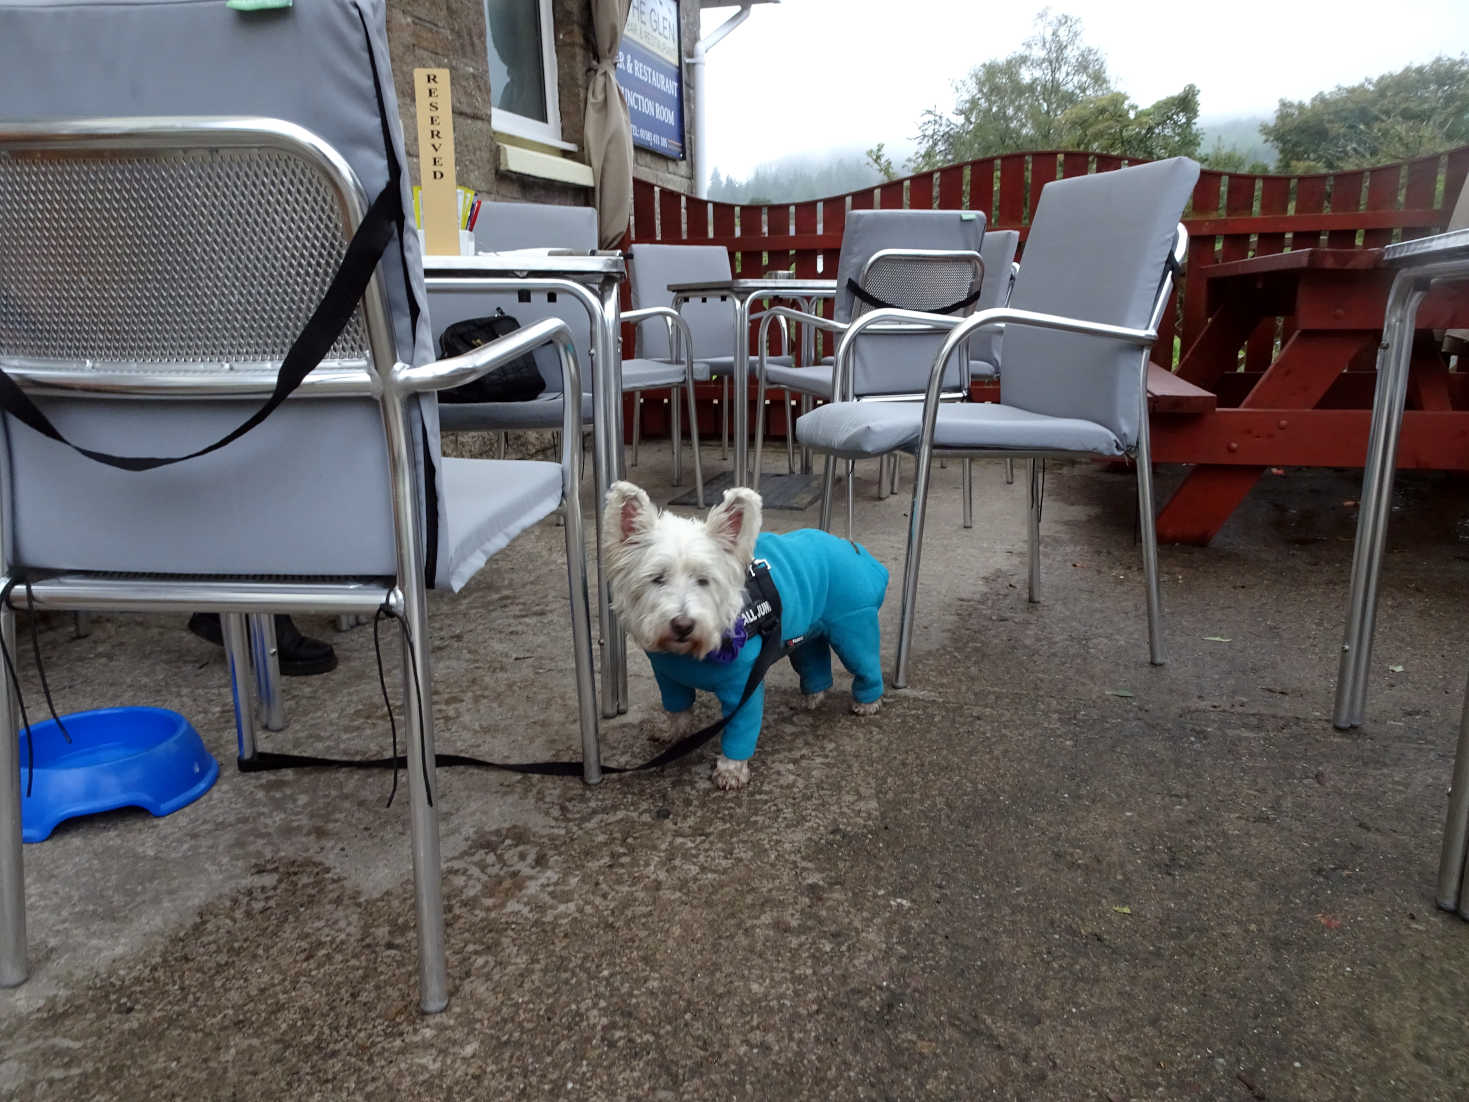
x=878, y=158
x=1111, y=123
x=1015, y=103
x=1420, y=110
x=1054, y=93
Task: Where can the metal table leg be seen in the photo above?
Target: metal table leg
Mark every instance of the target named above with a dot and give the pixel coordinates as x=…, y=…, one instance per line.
x=1393, y=359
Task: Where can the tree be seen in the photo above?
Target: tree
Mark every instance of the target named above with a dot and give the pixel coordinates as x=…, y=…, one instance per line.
x=1420, y=110
x=1111, y=123
x=1054, y=93
x=1015, y=103
x=877, y=157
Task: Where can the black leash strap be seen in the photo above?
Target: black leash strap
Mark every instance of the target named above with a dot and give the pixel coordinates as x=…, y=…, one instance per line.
x=313, y=342
x=872, y=300
x=761, y=590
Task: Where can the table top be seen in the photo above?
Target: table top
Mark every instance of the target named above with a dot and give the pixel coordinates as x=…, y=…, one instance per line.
x=1298, y=260
x=754, y=286
x=543, y=262
x=1453, y=245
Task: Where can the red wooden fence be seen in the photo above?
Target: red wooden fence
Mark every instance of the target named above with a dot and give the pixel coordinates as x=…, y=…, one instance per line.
x=1232, y=216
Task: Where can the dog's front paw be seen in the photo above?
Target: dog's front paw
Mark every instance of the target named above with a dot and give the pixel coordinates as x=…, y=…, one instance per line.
x=871, y=708
x=669, y=727
x=731, y=775
x=811, y=701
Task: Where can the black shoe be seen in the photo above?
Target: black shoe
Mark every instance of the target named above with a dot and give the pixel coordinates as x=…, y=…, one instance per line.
x=299, y=655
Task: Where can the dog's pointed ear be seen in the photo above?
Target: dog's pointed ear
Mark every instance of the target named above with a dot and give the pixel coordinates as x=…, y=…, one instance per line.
x=629, y=512
x=735, y=522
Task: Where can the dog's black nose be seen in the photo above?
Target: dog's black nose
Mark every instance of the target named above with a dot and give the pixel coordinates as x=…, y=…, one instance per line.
x=682, y=627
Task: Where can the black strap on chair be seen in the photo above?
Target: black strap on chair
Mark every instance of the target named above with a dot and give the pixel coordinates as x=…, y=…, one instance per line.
x=882, y=304
x=761, y=594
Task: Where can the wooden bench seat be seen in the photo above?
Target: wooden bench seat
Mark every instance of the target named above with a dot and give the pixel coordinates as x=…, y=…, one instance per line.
x=1167, y=393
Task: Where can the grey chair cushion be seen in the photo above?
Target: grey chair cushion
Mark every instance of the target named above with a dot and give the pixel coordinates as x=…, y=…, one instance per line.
x=715, y=366
x=998, y=254
x=649, y=374
x=491, y=502
x=543, y=412
x=808, y=380
x=501, y=227
x=860, y=430
x=1096, y=250
x=651, y=268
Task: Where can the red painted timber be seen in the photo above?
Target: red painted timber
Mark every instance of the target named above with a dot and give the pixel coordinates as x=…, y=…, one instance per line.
x=1258, y=438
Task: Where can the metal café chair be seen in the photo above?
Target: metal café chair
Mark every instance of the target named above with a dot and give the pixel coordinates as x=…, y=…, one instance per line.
x=153, y=310
x=1097, y=275
x=710, y=320
x=926, y=259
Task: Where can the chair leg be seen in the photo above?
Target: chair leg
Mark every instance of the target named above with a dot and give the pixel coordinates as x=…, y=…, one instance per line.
x=675, y=432
x=265, y=658
x=1009, y=472
x=423, y=816
x=916, y=515
x=694, y=437
x=637, y=425
x=1456, y=828
x=1149, y=526
x=581, y=641
x=242, y=680
x=828, y=477
x=14, y=963
x=893, y=486
x=1033, y=531
x=806, y=404
x=759, y=431
x=851, y=494
x=81, y=625
x=882, y=475
x=724, y=418
x=968, y=493
x=501, y=442
x=787, y=405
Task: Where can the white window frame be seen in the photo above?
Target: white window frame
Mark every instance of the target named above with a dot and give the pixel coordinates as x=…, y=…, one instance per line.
x=520, y=126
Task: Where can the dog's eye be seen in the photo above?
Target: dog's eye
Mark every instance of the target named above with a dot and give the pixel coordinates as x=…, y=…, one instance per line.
x=658, y=579
x=704, y=581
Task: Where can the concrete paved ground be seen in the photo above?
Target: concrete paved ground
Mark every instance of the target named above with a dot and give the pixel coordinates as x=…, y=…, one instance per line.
x=1046, y=870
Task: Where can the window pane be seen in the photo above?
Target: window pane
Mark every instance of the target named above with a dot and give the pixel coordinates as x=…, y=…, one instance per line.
x=517, y=73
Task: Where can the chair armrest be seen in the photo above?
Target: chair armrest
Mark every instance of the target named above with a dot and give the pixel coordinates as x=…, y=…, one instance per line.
x=465, y=368
x=675, y=323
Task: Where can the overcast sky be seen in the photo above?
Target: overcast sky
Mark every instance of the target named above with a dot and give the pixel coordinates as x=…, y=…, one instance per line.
x=804, y=75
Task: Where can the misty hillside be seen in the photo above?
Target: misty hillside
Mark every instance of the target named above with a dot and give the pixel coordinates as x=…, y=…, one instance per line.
x=835, y=171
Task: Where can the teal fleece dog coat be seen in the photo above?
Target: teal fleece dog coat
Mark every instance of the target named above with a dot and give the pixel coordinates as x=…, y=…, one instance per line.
x=830, y=591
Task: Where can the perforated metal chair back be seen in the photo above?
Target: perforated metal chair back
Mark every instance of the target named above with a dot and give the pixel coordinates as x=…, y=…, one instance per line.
x=179, y=260
x=912, y=279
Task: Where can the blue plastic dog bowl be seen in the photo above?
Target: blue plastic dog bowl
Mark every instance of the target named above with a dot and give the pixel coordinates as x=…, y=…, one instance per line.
x=118, y=757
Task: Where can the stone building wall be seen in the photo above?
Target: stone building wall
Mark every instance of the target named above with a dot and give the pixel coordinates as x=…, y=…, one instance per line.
x=451, y=34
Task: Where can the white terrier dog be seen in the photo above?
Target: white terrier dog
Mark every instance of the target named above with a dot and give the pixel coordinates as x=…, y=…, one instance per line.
x=678, y=586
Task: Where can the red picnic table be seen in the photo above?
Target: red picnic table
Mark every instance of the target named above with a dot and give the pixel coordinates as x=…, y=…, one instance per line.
x=1312, y=406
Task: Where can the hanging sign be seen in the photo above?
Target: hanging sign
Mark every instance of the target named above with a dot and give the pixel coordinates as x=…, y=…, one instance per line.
x=650, y=73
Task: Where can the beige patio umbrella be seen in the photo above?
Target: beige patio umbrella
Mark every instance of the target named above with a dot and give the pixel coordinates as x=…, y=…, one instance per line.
x=608, y=133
